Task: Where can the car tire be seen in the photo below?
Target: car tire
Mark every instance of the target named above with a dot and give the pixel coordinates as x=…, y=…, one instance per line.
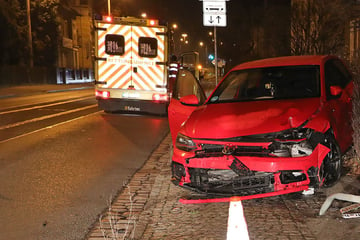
x=330, y=170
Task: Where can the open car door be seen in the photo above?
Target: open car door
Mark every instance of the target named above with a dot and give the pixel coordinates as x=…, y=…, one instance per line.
x=187, y=96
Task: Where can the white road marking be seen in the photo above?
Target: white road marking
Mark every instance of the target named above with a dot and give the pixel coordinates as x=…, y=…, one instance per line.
x=46, y=105
x=45, y=117
x=48, y=127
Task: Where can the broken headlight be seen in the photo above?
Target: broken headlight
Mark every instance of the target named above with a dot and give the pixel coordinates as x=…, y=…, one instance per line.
x=292, y=143
x=185, y=143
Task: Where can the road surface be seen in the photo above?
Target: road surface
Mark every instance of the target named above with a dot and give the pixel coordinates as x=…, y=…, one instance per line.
x=62, y=160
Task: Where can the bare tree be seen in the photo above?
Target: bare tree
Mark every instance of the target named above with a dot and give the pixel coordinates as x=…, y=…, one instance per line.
x=318, y=26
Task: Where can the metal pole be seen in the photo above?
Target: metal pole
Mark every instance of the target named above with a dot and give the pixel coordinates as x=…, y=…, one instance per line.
x=206, y=55
x=216, y=58
x=31, y=55
x=109, y=11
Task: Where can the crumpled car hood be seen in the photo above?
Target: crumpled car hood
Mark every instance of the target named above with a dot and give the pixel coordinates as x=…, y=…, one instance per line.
x=226, y=120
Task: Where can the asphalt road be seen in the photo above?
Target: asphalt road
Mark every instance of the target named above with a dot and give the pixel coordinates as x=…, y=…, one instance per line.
x=62, y=161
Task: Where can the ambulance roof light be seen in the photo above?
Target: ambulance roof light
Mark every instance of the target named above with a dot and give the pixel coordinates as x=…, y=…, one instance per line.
x=152, y=22
x=108, y=18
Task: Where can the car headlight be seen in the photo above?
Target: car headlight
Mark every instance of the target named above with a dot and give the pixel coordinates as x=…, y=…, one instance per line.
x=293, y=143
x=185, y=143
x=294, y=134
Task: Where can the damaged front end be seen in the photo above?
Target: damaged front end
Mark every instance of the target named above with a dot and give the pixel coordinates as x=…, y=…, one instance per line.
x=257, y=165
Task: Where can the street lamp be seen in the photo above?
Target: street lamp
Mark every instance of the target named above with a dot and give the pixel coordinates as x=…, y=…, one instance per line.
x=183, y=38
x=143, y=15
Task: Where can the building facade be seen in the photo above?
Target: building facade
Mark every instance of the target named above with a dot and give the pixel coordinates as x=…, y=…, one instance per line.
x=75, y=60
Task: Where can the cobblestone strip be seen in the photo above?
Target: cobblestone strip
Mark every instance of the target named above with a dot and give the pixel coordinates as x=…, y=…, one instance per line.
x=166, y=218
x=269, y=218
x=301, y=210
x=119, y=221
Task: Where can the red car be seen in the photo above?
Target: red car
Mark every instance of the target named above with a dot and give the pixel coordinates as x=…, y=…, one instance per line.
x=270, y=127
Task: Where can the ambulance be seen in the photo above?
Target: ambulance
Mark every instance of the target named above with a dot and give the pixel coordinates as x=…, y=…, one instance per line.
x=131, y=71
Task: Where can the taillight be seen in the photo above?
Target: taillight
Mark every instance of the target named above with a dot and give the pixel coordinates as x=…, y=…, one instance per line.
x=160, y=97
x=102, y=94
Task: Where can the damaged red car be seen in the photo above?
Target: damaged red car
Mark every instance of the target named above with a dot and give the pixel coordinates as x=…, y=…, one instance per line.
x=270, y=127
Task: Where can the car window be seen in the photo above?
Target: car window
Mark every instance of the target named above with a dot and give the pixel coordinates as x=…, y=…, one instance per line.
x=269, y=83
x=186, y=84
x=336, y=74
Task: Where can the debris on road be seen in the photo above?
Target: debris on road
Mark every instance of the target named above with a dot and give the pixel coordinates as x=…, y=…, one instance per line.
x=344, y=211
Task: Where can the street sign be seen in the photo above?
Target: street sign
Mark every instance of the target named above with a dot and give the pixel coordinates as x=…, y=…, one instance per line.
x=214, y=12
x=218, y=20
x=214, y=7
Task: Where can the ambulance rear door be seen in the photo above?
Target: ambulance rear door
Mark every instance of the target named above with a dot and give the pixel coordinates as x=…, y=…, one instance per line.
x=149, y=56
x=113, y=63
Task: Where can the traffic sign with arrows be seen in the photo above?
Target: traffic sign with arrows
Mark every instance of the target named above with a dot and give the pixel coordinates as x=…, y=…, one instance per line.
x=214, y=12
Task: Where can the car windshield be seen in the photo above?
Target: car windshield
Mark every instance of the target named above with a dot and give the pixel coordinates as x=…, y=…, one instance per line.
x=269, y=83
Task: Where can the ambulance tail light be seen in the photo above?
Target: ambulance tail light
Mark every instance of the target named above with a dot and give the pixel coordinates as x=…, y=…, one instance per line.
x=102, y=94
x=157, y=97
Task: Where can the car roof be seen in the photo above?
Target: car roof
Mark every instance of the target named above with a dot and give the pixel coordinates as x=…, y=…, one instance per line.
x=285, y=61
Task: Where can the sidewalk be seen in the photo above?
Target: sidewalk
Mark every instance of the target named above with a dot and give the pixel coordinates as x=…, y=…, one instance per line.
x=33, y=89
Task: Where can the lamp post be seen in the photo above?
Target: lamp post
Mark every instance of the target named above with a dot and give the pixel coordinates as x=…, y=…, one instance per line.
x=172, y=38
x=31, y=55
x=203, y=45
x=109, y=6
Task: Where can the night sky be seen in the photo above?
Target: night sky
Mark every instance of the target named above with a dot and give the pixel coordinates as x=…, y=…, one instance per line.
x=242, y=16
x=187, y=14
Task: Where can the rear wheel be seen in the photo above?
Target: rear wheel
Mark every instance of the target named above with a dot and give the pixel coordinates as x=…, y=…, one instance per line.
x=330, y=170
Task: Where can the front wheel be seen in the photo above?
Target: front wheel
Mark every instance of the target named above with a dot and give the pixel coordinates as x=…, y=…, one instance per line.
x=330, y=170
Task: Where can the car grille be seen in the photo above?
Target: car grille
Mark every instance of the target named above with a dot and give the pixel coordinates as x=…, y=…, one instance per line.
x=215, y=150
x=227, y=182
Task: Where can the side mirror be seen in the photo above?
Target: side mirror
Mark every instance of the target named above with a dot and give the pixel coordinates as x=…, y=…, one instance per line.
x=335, y=90
x=190, y=100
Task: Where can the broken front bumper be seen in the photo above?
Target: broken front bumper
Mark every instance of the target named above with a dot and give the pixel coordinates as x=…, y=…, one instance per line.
x=251, y=176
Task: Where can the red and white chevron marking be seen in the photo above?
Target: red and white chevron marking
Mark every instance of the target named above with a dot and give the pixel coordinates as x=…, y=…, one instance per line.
x=118, y=71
